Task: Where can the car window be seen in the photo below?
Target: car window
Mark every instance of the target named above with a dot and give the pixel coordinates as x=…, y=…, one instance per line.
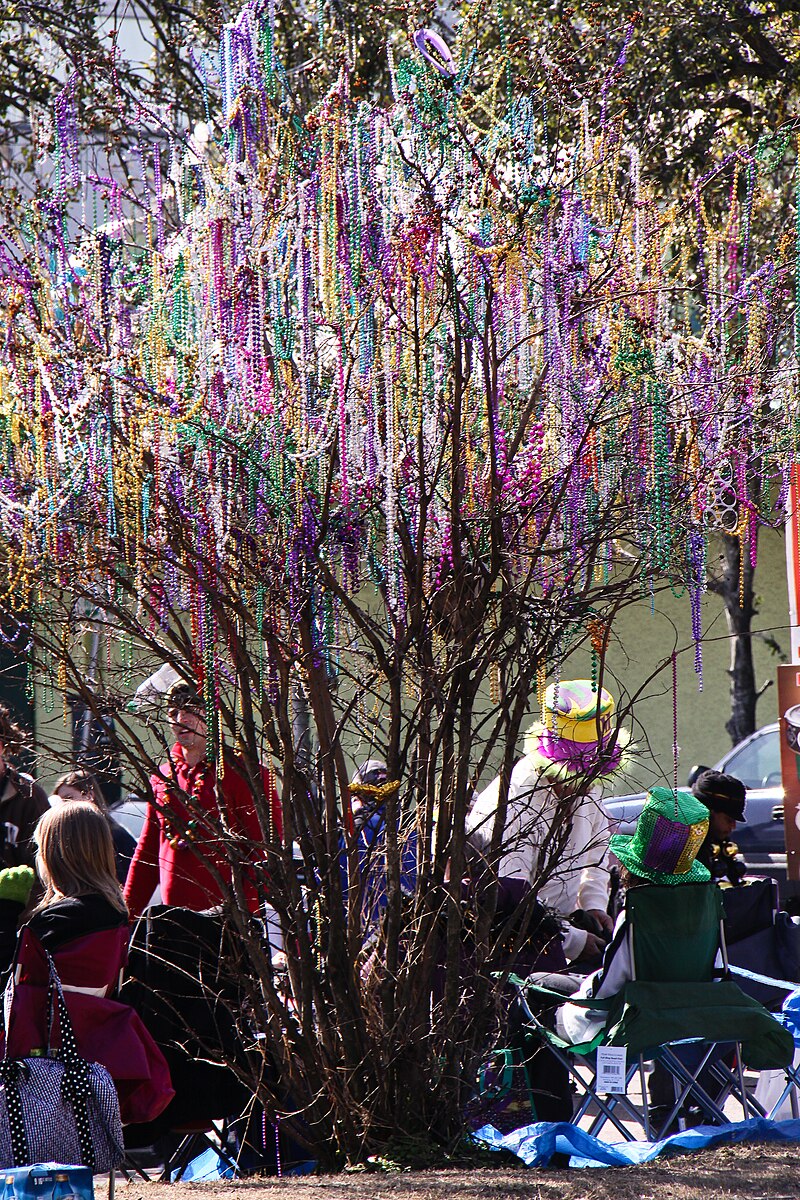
x=759, y=763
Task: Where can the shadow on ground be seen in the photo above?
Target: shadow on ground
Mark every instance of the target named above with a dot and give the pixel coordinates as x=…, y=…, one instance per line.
x=754, y=1172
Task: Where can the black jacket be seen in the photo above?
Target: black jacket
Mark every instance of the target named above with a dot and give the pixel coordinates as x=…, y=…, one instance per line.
x=57, y=924
x=22, y=802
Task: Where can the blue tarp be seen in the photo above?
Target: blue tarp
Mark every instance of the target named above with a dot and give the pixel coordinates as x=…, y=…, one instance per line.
x=208, y=1167
x=536, y=1144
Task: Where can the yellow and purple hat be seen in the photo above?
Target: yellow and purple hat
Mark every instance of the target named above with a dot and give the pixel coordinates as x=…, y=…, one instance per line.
x=577, y=733
x=663, y=848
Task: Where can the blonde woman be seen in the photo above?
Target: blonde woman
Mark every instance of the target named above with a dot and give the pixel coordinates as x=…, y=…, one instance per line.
x=82, y=921
x=82, y=785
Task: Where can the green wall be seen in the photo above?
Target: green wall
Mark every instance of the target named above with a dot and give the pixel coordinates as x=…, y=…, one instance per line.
x=643, y=637
x=647, y=637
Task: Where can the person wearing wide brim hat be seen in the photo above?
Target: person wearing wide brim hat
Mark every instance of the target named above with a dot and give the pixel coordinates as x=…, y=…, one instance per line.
x=662, y=850
x=553, y=791
x=577, y=734
x=724, y=796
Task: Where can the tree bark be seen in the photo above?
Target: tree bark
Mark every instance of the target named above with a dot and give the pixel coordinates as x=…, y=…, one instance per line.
x=734, y=586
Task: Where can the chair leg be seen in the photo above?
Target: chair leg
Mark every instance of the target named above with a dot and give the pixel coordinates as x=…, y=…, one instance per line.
x=789, y=1093
x=609, y=1105
x=635, y=1115
x=742, y=1089
x=178, y=1160
x=111, y=1183
x=692, y=1088
x=645, y=1100
x=590, y=1095
x=734, y=1085
x=130, y=1170
x=192, y=1145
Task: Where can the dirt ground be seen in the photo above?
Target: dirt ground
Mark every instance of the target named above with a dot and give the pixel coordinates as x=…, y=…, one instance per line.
x=754, y=1172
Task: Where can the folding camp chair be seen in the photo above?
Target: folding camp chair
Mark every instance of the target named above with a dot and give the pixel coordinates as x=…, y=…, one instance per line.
x=678, y=995
x=778, y=1091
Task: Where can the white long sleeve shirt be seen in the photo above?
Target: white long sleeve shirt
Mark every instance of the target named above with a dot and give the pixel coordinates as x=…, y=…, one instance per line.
x=579, y=879
x=577, y=1024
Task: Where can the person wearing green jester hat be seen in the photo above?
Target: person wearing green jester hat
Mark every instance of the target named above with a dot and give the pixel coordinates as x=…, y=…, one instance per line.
x=662, y=850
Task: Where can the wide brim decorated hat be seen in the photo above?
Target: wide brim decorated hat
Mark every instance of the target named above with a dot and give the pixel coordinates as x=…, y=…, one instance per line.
x=576, y=735
x=663, y=848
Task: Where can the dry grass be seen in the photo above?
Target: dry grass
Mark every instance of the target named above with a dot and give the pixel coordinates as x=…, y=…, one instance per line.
x=751, y=1171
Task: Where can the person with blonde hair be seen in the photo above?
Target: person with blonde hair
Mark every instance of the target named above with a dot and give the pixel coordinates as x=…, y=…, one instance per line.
x=81, y=921
x=82, y=785
x=76, y=870
x=75, y=863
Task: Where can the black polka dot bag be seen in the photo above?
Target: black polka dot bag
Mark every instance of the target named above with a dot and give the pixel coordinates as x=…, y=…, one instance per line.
x=57, y=1107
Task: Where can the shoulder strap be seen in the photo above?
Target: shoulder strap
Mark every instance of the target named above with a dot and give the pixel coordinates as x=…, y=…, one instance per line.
x=76, y=1087
x=69, y=1047
x=8, y=992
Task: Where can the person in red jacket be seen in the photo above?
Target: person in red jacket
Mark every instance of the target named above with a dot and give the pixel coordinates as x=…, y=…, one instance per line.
x=180, y=849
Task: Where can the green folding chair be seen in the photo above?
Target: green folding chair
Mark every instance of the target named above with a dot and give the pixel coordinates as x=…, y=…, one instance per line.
x=680, y=993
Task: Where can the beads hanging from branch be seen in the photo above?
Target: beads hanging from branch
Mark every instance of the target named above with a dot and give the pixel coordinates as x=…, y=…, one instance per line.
x=280, y=376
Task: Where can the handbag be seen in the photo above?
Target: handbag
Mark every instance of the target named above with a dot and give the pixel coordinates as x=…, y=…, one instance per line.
x=57, y=1109
x=505, y=1097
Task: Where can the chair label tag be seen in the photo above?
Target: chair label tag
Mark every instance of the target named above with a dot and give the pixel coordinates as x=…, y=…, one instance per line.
x=611, y=1068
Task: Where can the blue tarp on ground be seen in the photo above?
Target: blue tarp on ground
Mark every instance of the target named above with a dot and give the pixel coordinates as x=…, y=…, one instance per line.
x=208, y=1167
x=536, y=1144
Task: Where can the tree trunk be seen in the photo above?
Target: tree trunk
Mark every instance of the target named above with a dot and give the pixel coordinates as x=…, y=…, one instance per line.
x=734, y=585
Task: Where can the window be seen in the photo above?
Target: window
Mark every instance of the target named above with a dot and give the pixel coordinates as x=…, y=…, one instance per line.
x=758, y=764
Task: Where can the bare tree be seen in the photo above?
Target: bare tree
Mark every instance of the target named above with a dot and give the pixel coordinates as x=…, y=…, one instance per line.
x=401, y=417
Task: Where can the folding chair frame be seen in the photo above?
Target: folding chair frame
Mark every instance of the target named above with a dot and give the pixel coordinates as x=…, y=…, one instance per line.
x=790, y=1093
x=690, y=1088
x=686, y=1081
x=193, y=1143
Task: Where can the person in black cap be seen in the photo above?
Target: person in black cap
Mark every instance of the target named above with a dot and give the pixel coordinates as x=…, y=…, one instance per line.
x=724, y=797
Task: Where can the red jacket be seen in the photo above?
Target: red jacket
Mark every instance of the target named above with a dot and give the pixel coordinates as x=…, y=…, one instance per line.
x=106, y=1031
x=175, y=841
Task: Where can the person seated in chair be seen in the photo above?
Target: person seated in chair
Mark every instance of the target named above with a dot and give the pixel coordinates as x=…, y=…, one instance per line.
x=183, y=979
x=662, y=850
x=724, y=797
x=759, y=936
x=82, y=922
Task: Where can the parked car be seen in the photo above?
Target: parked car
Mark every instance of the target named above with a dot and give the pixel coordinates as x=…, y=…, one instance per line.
x=760, y=837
